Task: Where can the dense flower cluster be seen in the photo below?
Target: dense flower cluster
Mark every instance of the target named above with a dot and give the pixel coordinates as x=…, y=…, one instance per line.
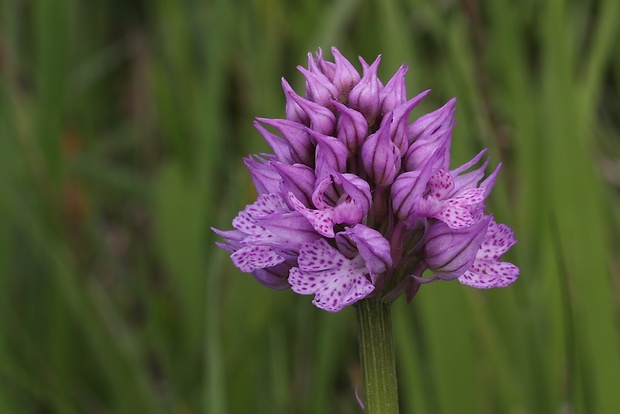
x=355, y=201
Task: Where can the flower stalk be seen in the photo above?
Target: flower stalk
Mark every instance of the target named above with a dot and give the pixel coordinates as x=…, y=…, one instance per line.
x=377, y=356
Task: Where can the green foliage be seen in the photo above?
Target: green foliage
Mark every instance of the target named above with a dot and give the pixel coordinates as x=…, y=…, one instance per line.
x=122, y=126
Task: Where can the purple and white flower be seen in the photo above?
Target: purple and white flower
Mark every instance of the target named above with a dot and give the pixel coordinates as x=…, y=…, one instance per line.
x=357, y=202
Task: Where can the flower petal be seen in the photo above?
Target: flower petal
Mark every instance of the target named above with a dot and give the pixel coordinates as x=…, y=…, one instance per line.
x=498, y=240
x=291, y=229
x=265, y=205
x=455, y=215
x=275, y=277
x=372, y=246
x=335, y=280
x=485, y=274
x=364, y=97
x=251, y=258
x=441, y=184
x=321, y=220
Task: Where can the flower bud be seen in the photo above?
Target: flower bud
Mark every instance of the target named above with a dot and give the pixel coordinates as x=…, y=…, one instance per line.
x=331, y=155
x=394, y=93
x=322, y=120
x=449, y=252
x=427, y=134
x=364, y=97
x=409, y=187
x=345, y=75
x=318, y=88
x=298, y=179
x=297, y=136
x=351, y=128
x=266, y=179
x=398, y=128
x=293, y=111
x=380, y=157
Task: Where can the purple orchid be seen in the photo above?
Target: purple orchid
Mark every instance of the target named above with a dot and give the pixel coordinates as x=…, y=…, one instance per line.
x=341, y=276
x=357, y=202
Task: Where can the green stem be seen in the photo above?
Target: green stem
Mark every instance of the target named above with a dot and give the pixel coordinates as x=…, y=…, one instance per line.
x=374, y=323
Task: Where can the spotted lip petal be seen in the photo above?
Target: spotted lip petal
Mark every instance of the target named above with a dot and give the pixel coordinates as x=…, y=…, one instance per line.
x=487, y=271
x=251, y=258
x=335, y=280
x=457, y=213
x=486, y=274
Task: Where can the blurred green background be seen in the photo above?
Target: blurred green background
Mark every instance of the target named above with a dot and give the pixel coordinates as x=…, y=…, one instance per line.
x=122, y=127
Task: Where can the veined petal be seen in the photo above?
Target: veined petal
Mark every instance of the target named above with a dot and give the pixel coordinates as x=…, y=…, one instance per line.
x=275, y=277
x=322, y=120
x=291, y=229
x=372, y=246
x=318, y=88
x=356, y=188
x=395, y=91
x=320, y=65
x=408, y=189
x=296, y=135
x=351, y=128
x=380, y=157
x=399, y=126
x=364, y=97
x=298, y=179
x=451, y=252
x=331, y=155
x=345, y=75
x=420, y=151
x=279, y=146
x=266, y=179
x=294, y=112
x=426, y=126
